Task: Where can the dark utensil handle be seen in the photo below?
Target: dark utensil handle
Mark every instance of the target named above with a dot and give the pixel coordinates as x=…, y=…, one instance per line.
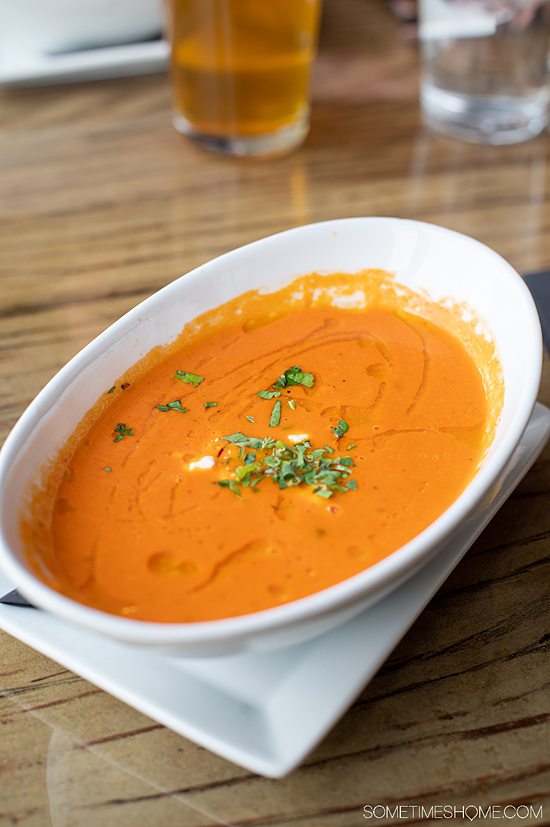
x=539, y=285
x=14, y=598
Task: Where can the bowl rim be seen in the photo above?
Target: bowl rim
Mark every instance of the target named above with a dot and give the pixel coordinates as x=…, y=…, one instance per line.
x=376, y=578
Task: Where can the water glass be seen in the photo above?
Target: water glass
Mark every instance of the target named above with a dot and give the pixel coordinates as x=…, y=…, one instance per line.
x=485, y=68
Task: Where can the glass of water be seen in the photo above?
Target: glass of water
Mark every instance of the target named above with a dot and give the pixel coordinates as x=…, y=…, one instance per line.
x=486, y=68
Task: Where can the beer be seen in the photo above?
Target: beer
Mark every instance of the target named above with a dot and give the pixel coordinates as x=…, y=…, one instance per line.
x=241, y=68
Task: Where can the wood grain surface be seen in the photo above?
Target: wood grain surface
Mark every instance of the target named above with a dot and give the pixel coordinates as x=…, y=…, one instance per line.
x=101, y=203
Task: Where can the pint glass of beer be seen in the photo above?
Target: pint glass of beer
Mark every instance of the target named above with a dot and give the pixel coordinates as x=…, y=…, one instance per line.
x=241, y=71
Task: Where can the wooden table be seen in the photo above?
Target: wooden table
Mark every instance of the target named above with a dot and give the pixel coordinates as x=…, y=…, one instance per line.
x=101, y=203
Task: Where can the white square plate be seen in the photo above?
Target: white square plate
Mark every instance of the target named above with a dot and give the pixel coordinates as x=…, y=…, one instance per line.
x=266, y=711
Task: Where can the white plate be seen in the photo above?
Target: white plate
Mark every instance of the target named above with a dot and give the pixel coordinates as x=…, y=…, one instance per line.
x=265, y=711
x=32, y=67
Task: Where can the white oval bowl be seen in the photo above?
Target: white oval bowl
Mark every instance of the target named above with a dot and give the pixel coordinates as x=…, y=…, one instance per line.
x=422, y=256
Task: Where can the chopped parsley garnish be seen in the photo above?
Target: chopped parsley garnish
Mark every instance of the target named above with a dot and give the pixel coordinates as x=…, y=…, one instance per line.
x=231, y=484
x=294, y=376
x=244, y=471
x=291, y=376
x=340, y=429
x=324, y=492
x=121, y=431
x=107, y=468
x=351, y=445
x=275, y=418
x=172, y=406
x=257, y=444
x=210, y=404
x=191, y=378
x=112, y=389
x=289, y=466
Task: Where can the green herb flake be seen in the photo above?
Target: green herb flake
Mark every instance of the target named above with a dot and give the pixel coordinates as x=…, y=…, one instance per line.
x=250, y=418
x=120, y=431
x=352, y=485
x=210, y=404
x=111, y=389
x=256, y=443
x=107, y=468
x=275, y=418
x=243, y=472
x=231, y=484
x=269, y=394
x=323, y=492
x=292, y=404
x=351, y=446
x=340, y=429
x=177, y=406
x=190, y=378
x=294, y=376
x=172, y=406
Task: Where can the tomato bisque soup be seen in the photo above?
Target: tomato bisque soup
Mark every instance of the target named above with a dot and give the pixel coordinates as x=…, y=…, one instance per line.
x=283, y=443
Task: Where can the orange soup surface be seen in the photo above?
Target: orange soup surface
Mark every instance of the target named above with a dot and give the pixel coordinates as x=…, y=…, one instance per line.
x=282, y=444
